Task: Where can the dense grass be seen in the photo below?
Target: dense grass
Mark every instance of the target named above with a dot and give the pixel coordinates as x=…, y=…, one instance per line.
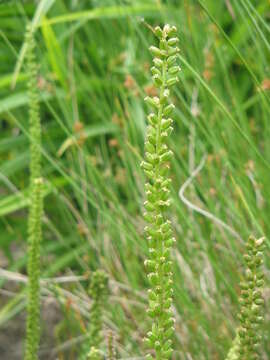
x=93, y=75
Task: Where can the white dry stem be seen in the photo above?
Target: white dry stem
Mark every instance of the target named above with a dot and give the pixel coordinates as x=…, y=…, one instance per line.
x=17, y=277
x=196, y=208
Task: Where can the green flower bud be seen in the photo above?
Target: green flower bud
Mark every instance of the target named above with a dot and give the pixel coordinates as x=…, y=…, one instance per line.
x=173, y=51
x=171, y=60
x=154, y=102
x=260, y=283
x=247, y=257
x=149, y=148
x=259, y=242
x=155, y=71
x=146, y=165
x=168, y=109
x=149, y=206
x=163, y=44
x=173, y=41
x=163, y=148
x=155, y=51
x=164, y=97
x=152, y=118
x=158, y=62
x=165, y=123
x=249, y=274
x=174, y=70
x=149, y=174
x=148, y=217
x=150, y=264
x=172, y=81
x=158, y=32
x=167, y=156
x=172, y=31
x=157, y=80
x=259, y=301
x=153, y=278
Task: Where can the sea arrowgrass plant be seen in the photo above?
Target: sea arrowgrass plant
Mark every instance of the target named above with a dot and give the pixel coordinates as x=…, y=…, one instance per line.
x=156, y=168
x=36, y=206
x=98, y=291
x=247, y=342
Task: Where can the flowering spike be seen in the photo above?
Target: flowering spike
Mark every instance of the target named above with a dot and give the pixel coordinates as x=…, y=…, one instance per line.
x=99, y=291
x=247, y=341
x=155, y=165
x=36, y=206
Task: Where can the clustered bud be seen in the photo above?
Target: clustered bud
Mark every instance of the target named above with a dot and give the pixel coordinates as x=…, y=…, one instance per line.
x=156, y=166
x=251, y=300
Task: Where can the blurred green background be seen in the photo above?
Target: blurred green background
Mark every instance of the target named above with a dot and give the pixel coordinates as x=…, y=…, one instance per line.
x=93, y=75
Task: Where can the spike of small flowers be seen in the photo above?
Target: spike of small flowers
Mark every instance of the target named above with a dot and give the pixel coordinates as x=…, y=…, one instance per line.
x=155, y=165
x=36, y=206
x=99, y=291
x=247, y=341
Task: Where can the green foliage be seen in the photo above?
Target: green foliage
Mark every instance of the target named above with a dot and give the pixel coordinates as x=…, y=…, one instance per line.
x=98, y=291
x=36, y=207
x=159, y=232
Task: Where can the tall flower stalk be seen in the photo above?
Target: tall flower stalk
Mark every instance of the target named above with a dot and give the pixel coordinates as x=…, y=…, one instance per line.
x=156, y=168
x=36, y=207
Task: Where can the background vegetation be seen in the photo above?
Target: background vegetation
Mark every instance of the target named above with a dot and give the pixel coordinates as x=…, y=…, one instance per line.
x=93, y=75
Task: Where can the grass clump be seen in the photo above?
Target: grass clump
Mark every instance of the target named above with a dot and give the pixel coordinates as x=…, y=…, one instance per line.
x=155, y=165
